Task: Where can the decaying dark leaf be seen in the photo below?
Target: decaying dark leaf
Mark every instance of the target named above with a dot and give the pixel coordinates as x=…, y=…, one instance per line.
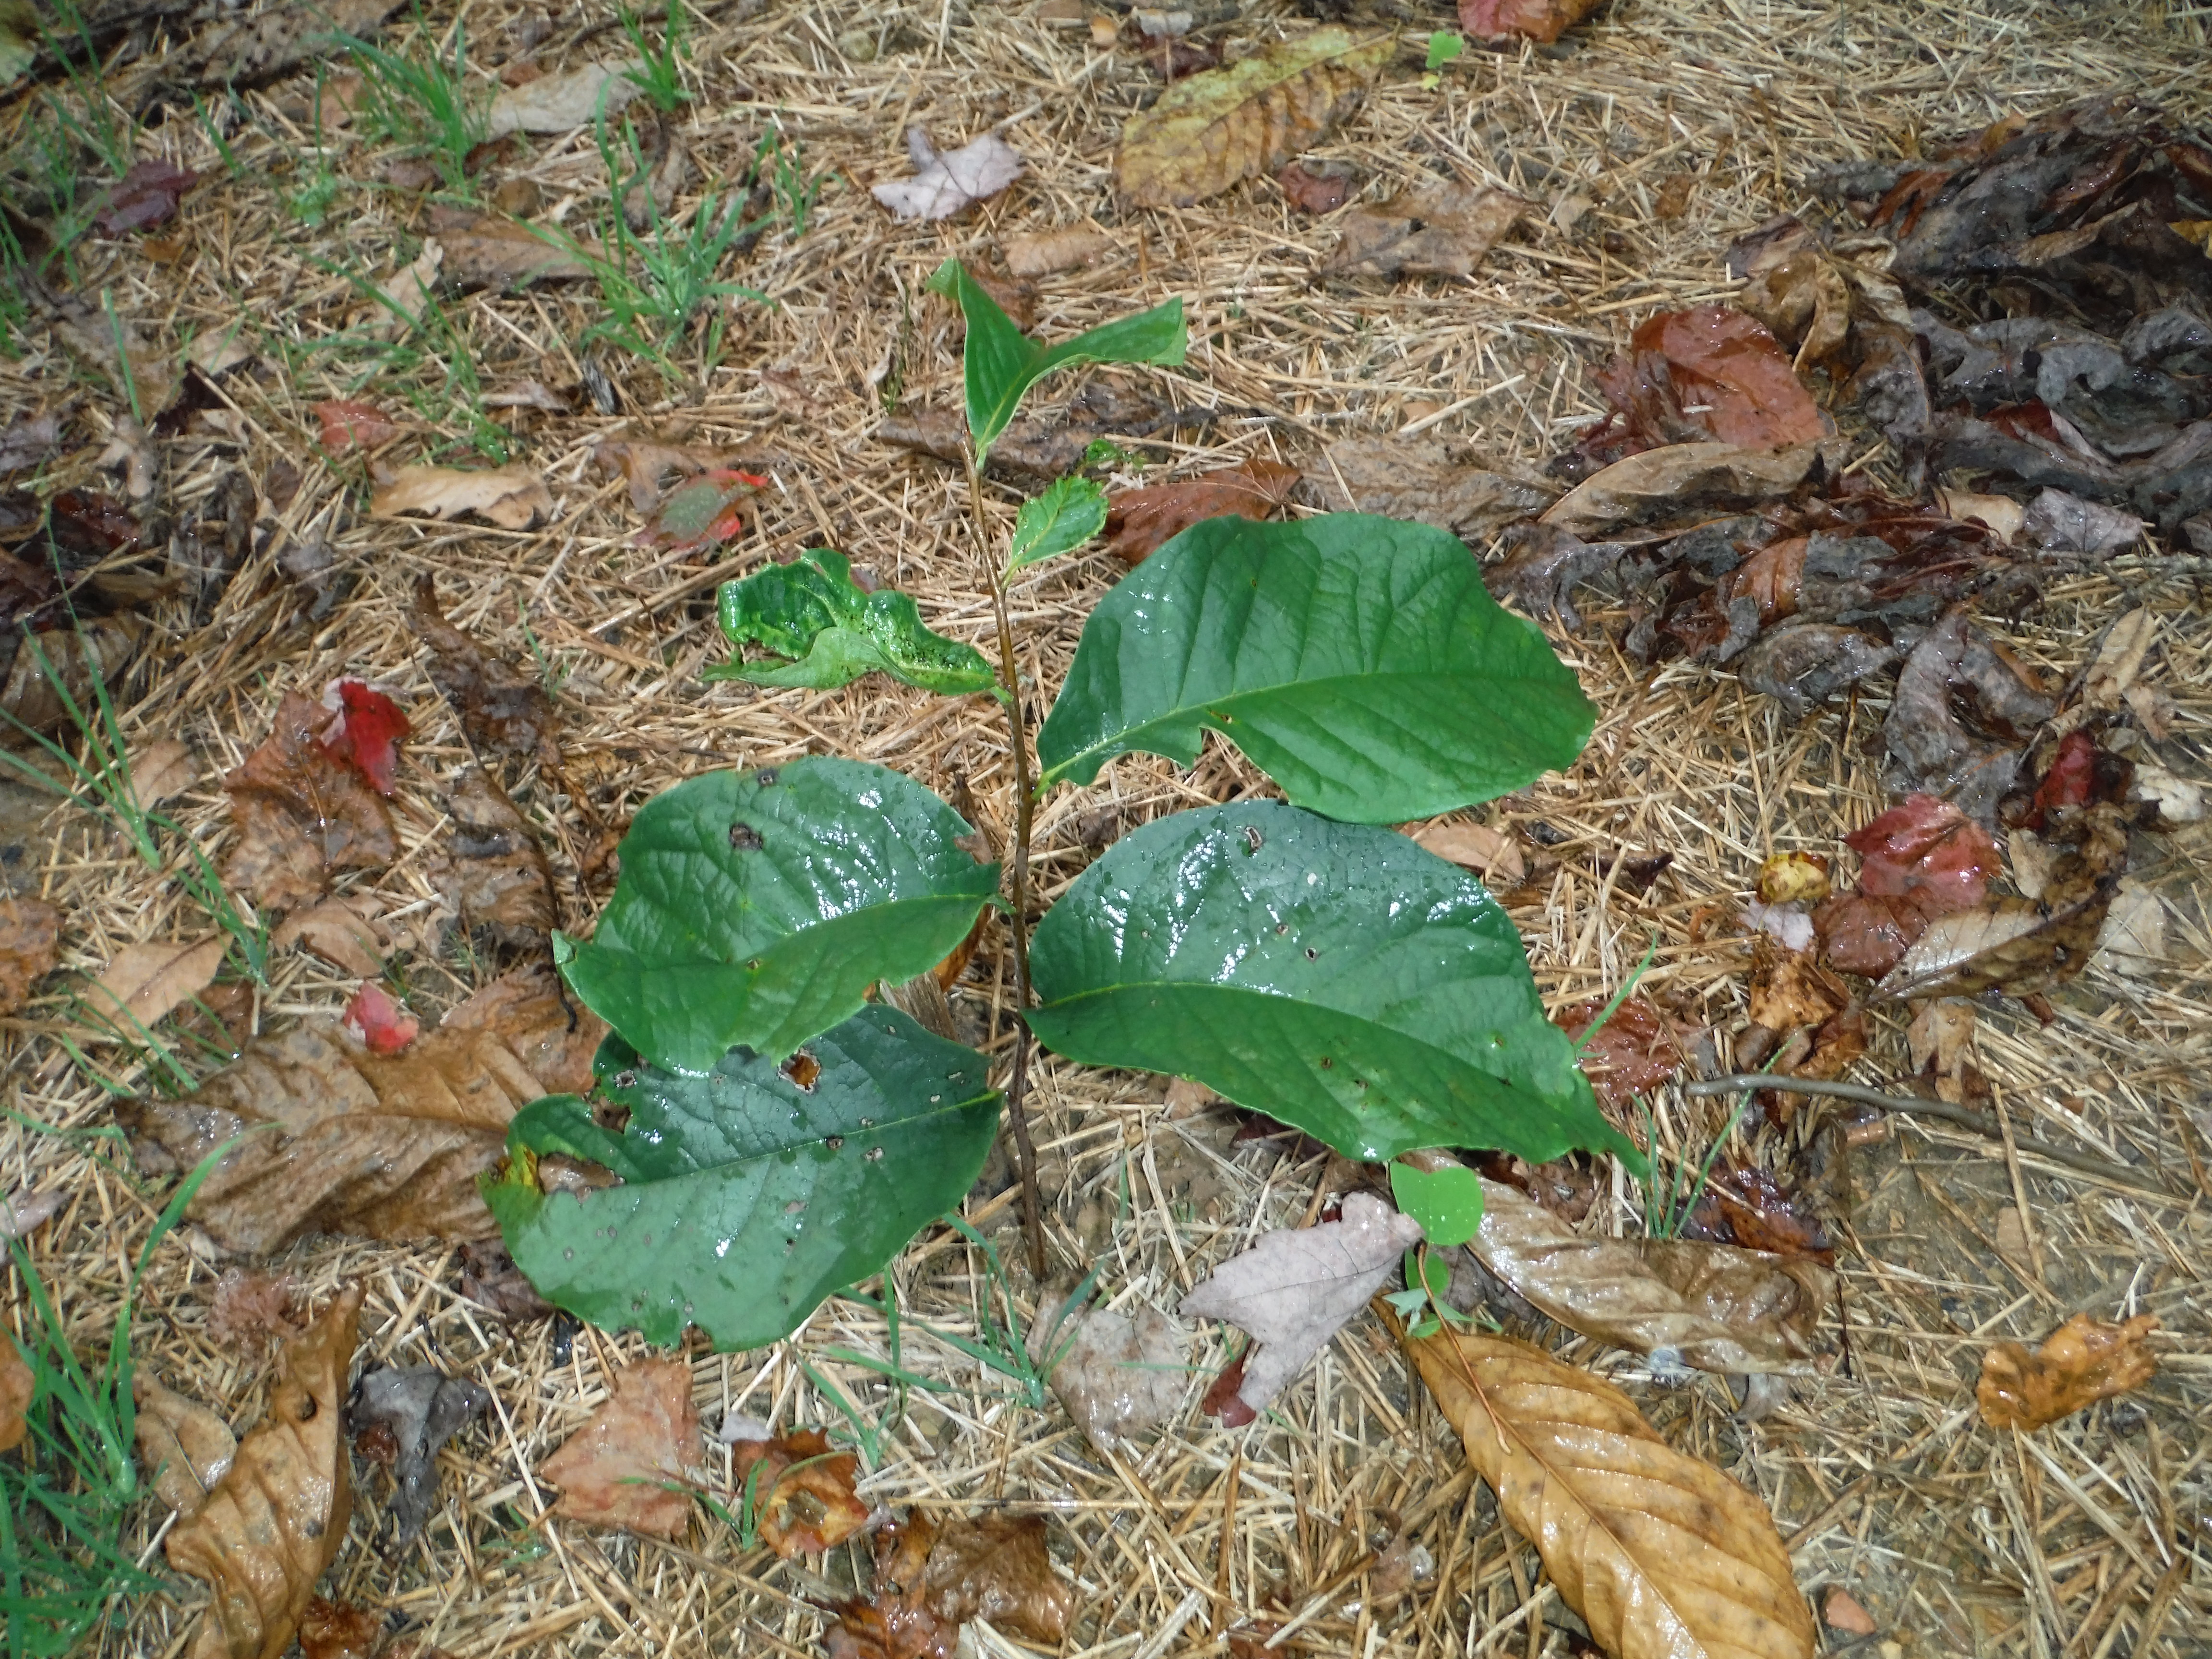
x=1139, y=520
x=377, y=1148
x=1314, y=187
x=1744, y=1205
x=338, y=1630
x=802, y=1496
x=495, y=875
x=491, y=1280
x=1710, y=375
x=254, y=1311
x=423, y=1408
x=617, y=1470
x=302, y=816
x=501, y=709
x=2083, y=1361
x=278, y=1518
x=1806, y=664
x=1962, y=708
x=145, y=196
x=1441, y=229
x=1424, y=481
x=1542, y=566
x=1633, y=1053
x=488, y=250
x=184, y=1449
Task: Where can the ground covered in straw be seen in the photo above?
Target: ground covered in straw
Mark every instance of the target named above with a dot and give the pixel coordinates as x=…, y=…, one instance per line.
x=1878, y=1474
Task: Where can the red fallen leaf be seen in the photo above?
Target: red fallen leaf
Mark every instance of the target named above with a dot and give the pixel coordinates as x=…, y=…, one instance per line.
x=702, y=512
x=1635, y=1050
x=1926, y=848
x=1712, y=373
x=2071, y=779
x=1139, y=520
x=367, y=731
x=803, y=1495
x=1223, y=1399
x=350, y=426
x=1542, y=20
x=146, y=195
x=1870, y=935
x=383, y=1026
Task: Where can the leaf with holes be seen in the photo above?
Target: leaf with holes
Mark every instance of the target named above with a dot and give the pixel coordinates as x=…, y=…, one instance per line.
x=1358, y=661
x=757, y=907
x=1335, y=976
x=822, y=630
x=746, y=1198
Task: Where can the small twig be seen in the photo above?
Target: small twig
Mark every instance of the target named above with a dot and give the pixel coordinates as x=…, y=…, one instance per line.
x=1920, y=1106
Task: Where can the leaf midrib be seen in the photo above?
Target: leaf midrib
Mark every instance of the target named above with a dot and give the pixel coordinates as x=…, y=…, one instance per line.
x=697, y=1171
x=791, y=936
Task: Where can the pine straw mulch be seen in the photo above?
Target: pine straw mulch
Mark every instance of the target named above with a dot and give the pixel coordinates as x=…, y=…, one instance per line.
x=1880, y=1475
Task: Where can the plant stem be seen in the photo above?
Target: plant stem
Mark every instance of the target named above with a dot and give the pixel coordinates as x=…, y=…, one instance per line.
x=1018, y=735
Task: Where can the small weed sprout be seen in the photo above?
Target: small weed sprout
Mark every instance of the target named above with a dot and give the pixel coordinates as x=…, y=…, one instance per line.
x=658, y=75
x=427, y=106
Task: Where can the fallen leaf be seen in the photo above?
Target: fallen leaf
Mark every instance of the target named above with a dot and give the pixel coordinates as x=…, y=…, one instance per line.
x=611, y=1470
x=2178, y=801
x=996, y=1568
x=1941, y=1039
x=2067, y=526
x=1926, y=848
x=29, y=441
x=496, y=876
x=896, y=1621
x=364, y=1146
x=2132, y=940
x=336, y=931
x=165, y=768
x=254, y=1311
x=1803, y=664
x=423, y=1408
x=30, y=947
x=1633, y=1053
x=348, y=426
x=1744, y=1205
x=561, y=103
x=23, y=1212
x=1224, y=1395
x=1711, y=372
x=1794, y=878
x=146, y=195
x=1047, y=252
x=404, y=296
x=1659, y=1552
x=947, y=183
x=251, y=48
x=1442, y=229
x=301, y=815
x=491, y=1280
x=1955, y=675
x=2005, y=517
x=1540, y=21
x=1139, y=520
x=1678, y=482
x=512, y=497
x=380, y=1025
x=647, y=466
x=1316, y=189
x=1211, y=131
x=488, y=249
x=337, y=1629
x=277, y=1519
x=704, y=511
x=146, y=983
x=2083, y=1361
x=2070, y=780
x=17, y=1387
x=1296, y=1286
x=1494, y=853
x=184, y=1449
x=1841, y=1611
x=1418, y=479
x=1119, y=1374
x=368, y=731
x=501, y=709
x=2016, y=945
x=802, y=1497
x=1788, y=989
x=2120, y=659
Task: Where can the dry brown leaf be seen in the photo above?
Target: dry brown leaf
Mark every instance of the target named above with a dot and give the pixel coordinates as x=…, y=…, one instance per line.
x=1211, y=131
x=1940, y=1038
x=185, y=1448
x=1139, y=520
x=610, y=1471
x=164, y=769
x=303, y=815
x=563, y=102
x=996, y=1568
x=1052, y=251
x=336, y=931
x=402, y=297
x=30, y=946
x=1495, y=852
x=512, y=497
x=501, y=709
x=490, y=250
x=18, y=1384
x=1678, y=482
x=1662, y=1555
x=802, y=1496
x=496, y=876
x=1790, y=989
x=277, y=1520
x=2083, y=1361
x=146, y=983
x=254, y=1311
x=1414, y=478
x=2016, y=945
x=1117, y=1373
x=1442, y=229
x=376, y=1147
x=2120, y=659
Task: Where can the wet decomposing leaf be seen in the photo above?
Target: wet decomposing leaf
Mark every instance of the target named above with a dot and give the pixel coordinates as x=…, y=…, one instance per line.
x=803, y=1499
x=1442, y=229
x=1633, y=1052
x=1293, y=1289
x=423, y=1408
x=1211, y=131
x=336, y=931
x=1540, y=21
x=146, y=983
x=2083, y=1361
x=278, y=1518
x=615, y=1471
x=184, y=1449
x=1416, y=478
x=145, y=196
x=501, y=709
x=488, y=249
x=1790, y=989
x=1661, y=1553
x=254, y=1311
x=1961, y=708
x=496, y=876
x=1139, y=520
x=348, y=425
x=1117, y=1373
x=338, y=1630
x=370, y=1147
x=17, y=1386
x=302, y=816
x=366, y=730
x=380, y=1025
x=949, y=182
x=561, y=103
x=1317, y=188
x=512, y=497
x=704, y=511
x=932, y=1576
x=1678, y=481
x=1744, y=1205
x=30, y=946
x=1712, y=373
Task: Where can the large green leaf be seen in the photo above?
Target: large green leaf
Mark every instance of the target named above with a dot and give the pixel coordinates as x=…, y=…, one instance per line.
x=757, y=907
x=1333, y=975
x=827, y=631
x=1358, y=661
x=999, y=362
x=745, y=1198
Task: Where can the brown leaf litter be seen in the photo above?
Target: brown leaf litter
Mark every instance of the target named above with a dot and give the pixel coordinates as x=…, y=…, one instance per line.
x=30, y=948
x=302, y=817
x=184, y=1449
x=615, y=1470
x=146, y=983
x=1119, y=1374
x=1139, y=520
x=932, y=1576
x=495, y=875
x=422, y=1408
x=1442, y=229
x=2083, y=1361
x=802, y=1495
x=512, y=497
x=501, y=709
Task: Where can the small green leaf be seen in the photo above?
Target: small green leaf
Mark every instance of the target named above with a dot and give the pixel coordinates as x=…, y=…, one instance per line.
x=750, y=1193
x=999, y=362
x=1443, y=47
x=1447, y=1203
x=1358, y=661
x=1064, y=517
x=825, y=631
x=1335, y=976
x=757, y=907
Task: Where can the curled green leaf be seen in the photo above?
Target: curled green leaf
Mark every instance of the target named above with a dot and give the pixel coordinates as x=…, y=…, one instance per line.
x=1061, y=520
x=822, y=630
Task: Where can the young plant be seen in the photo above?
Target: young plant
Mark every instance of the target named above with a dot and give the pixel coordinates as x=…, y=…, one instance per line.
x=785, y=1135
x=659, y=74
x=428, y=106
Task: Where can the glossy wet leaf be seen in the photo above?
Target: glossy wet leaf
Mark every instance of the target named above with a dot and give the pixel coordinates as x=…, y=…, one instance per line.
x=757, y=907
x=823, y=631
x=744, y=1198
x=1335, y=976
x=1065, y=516
x=999, y=362
x=1358, y=661
x=2083, y=1361
x=1447, y=1202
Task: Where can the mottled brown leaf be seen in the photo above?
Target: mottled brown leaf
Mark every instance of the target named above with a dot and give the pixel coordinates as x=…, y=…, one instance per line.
x=1315, y=187
x=184, y=1447
x=996, y=1568
x=1139, y=520
x=502, y=707
x=1442, y=229
x=1045, y=252
x=612, y=1471
x=2083, y=1361
x=512, y=497
x=1788, y=989
x=337, y=932
x=278, y=1518
x=146, y=983
x=30, y=945
x=301, y=815
x=1676, y=483
x=2013, y=945
x=1418, y=479
x=496, y=875
x=338, y=1630
x=254, y=1311
x=803, y=1495
x=18, y=1384
x=1635, y=1051
x=1540, y=21
x=488, y=251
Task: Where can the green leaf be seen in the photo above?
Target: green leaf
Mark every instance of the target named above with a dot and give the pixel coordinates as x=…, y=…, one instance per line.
x=1447, y=1202
x=1333, y=976
x=1358, y=661
x=1444, y=47
x=757, y=907
x=1001, y=363
x=746, y=1198
x=825, y=631
x=1064, y=517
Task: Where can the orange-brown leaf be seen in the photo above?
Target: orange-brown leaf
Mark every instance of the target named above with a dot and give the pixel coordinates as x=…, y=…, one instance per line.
x=148, y=982
x=803, y=1494
x=338, y=1630
x=2083, y=1361
x=1634, y=1051
x=184, y=1449
x=30, y=936
x=17, y=1386
x=301, y=815
x=1139, y=520
x=275, y=1520
x=1790, y=989
x=1661, y=1554
x=611, y=1471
